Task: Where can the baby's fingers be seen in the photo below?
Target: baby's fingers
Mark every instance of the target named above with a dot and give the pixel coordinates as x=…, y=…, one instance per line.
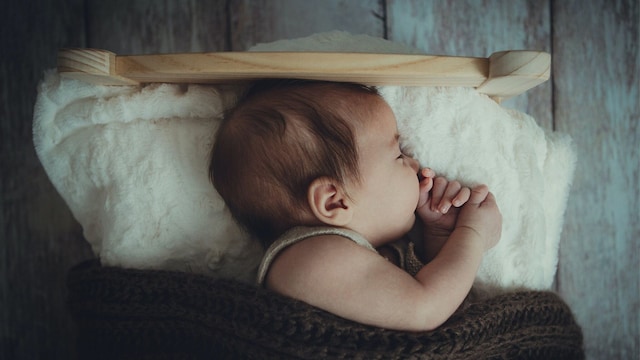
x=438, y=192
x=455, y=195
x=478, y=194
x=426, y=173
x=461, y=197
x=426, y=184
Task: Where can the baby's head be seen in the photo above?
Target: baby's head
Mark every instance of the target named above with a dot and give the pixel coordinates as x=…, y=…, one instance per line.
x=280, y=137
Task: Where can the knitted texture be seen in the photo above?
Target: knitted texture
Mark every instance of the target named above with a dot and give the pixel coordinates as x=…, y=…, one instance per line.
x=143, y=314
x=412, y=264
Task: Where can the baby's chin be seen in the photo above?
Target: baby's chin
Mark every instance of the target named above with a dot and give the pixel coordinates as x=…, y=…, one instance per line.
x=392, y=232
x=411, y=221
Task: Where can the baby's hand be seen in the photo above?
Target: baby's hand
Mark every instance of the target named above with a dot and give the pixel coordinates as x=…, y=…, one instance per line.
x=481, y=215
x=439, y=201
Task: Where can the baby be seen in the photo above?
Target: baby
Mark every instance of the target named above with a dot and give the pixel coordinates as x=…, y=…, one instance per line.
x=316, y=171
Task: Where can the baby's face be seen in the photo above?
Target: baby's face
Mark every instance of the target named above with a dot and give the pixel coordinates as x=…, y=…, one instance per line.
x=386, y=198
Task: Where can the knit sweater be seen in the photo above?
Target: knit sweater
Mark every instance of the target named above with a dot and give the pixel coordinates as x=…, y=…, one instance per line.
x=147, y=314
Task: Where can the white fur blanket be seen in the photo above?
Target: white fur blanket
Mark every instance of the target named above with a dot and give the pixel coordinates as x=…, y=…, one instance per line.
x=131, y=163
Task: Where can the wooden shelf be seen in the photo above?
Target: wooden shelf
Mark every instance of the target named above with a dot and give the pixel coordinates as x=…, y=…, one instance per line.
x=502, y=75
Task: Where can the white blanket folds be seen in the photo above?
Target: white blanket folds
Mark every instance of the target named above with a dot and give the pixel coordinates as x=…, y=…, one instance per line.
x=131, y=163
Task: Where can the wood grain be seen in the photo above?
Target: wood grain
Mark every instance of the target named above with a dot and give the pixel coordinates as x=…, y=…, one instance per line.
x=259, y=21
x=502, y=75
x=478, y=28
x=150, y=26
x=39, y=239
x=92, y=66
x=597, y=74
x=512, y=73
x=594, y=92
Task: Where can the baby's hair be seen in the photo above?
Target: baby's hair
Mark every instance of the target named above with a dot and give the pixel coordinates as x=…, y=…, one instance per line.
x=280, y=137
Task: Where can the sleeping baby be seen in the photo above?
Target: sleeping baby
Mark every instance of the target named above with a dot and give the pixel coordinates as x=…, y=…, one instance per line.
x=316, y=171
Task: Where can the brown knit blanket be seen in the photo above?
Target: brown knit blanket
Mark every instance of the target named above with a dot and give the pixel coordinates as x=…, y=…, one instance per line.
x=141, y=314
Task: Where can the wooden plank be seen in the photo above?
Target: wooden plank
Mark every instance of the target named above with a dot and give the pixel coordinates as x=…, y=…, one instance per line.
x=595, y=102
x=212, y=67
x=478, y=28
x=503, y=75
x=259, y=21
x=227, y=66
x=514, y=72
x=92, y=66
x=149, y=26
x=596, y=80
x=39, y=239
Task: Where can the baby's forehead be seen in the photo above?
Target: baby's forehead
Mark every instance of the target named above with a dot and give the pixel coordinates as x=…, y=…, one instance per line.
x=378, y=126
x=369, y=111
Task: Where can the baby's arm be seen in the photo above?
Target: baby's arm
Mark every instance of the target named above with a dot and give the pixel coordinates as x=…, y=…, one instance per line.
x=339, y=276
x=454, y=264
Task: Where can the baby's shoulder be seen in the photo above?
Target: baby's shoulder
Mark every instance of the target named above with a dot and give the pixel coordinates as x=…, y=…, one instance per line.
x=319, y=248
x=315, y=258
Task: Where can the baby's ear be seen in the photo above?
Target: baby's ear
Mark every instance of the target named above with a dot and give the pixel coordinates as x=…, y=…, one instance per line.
x=329, y=202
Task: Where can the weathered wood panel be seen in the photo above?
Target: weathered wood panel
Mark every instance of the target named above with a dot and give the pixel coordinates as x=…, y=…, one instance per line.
x=39, y=240
x=478, y=28
x=596, y=69
x=596, y=78
x=149, y=26
x=259, y=21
